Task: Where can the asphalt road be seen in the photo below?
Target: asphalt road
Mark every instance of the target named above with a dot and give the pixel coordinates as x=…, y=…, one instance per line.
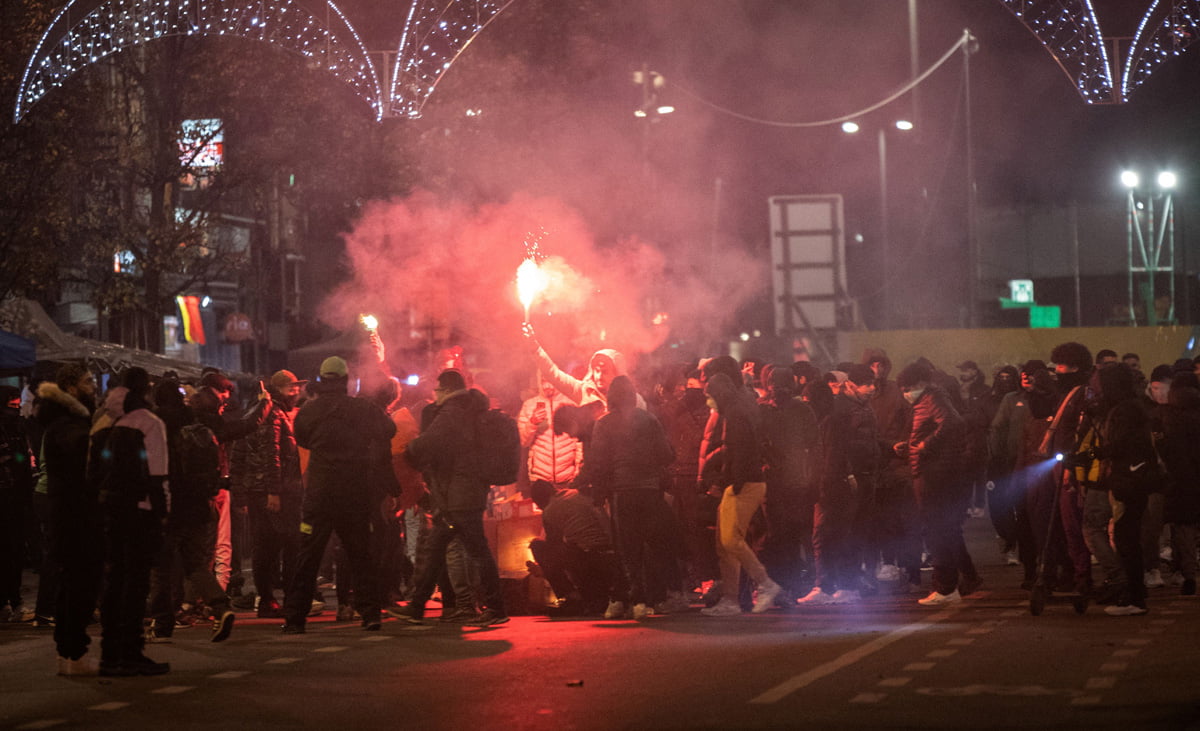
x=884, y=663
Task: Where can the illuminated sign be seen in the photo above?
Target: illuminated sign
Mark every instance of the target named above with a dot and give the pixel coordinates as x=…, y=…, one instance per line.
x=1022, y=290
x=202, y=143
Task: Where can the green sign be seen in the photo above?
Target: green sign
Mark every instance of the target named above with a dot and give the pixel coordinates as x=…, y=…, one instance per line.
x=1045, y=316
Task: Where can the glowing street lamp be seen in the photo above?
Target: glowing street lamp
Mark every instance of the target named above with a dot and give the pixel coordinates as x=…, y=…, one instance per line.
x=1153, y=241
x=1166, y=180
x=1130, y=179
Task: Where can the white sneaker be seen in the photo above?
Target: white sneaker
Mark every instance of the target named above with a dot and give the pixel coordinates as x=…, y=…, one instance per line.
x=724, y=608
x=316, y=607
x=766, y=596
x=1124, y=610
x=887, y=572
x=641, y=611
x=83, y=667
x=816, y=598
x=1010, y=559
x=1154, y=579
x=845, y=596
x=616, y=610
x=1166, y=554
x=21, y=613
x=936, y=599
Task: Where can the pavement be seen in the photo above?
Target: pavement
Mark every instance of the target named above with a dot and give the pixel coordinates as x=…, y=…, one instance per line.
x=883, y=662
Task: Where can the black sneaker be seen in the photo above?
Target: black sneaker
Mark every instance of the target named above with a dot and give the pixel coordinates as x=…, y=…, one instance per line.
x=293, y=629
x=488, y=618
x=457, y=616
x=410, y=614
x=114, y=669
x=244, y=601
x=372, y=625
x=222, y=625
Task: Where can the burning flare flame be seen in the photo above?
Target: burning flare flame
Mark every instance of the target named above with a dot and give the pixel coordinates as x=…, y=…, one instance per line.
x=370, y=322
x=531, y=281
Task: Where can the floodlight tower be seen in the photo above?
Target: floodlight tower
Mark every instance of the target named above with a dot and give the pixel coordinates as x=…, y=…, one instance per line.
x=1150, y=244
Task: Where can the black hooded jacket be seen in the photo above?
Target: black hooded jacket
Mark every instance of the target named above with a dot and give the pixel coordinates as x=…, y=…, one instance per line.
x=64, y=451
x=739, y=459
x=447, y=452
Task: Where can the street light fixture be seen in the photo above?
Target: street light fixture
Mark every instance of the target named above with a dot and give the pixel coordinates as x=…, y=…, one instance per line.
x=1130, y=179
x=904, y=125
x=1166, y=180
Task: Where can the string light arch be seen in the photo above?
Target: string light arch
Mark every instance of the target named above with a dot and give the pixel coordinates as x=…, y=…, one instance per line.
x=436, y=32
x=1166, y=30
x=84, y=33
x=1071, y=33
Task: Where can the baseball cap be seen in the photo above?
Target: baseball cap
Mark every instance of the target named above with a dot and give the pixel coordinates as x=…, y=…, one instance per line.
x=334, y=367
x=285, y=378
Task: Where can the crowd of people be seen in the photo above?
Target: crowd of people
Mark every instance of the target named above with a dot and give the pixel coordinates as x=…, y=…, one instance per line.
x=742, y=486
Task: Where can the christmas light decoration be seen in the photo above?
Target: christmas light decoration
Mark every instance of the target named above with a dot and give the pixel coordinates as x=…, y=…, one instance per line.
x=313, y=29
x=435, y=33
x=1166, y=30
x=1070, y=32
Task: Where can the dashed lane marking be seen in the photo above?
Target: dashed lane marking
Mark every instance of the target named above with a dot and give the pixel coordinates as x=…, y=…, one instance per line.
x=335, y=648
x=110, y=706
x=897, y=682
x=44, y=723
x=795, y=683
x=230, y=675
x=173, y=689
x=868, y=697
x=375, y=638
x=282, y=661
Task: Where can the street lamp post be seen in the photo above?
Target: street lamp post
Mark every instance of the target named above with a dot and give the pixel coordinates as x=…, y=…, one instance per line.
x=1150, y=240
x=885, y=253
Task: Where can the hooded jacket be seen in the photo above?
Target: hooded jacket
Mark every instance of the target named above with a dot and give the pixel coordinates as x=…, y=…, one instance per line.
x=345, y=436
x=739, y=458
x=584, y=390
x=266, y=460
x=447, y=451
x=64, y=449
x=629, y=447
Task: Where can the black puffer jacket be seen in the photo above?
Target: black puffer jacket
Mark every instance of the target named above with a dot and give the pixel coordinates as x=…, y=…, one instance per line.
x=267, y=461
x=447, y=452
x=938, y=437
x=851, y=439
x=66, y=425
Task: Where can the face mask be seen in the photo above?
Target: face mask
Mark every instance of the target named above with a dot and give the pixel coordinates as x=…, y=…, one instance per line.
x=913, y=395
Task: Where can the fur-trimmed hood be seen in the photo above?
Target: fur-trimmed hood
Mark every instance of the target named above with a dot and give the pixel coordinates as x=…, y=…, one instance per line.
x=55, y=401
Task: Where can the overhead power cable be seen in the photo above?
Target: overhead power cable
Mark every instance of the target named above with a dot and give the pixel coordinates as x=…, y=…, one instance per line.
x=912, y=84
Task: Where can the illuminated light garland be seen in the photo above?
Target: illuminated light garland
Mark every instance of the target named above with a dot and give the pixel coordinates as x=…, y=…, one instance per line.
x=1070, y=32
x=1175, y=30
x=114, y=25
x=435, y=33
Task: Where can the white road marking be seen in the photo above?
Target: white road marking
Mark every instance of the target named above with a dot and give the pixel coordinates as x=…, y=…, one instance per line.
x=919, y=666
x=868, y=697
x=110, y=706
x=795, y=683
x=375, y=638
x=44, y=723
x=173, y=689
x=231, y=675
x=283, y=661
x=1103, y=681
x=334, y=648
x=896, y=682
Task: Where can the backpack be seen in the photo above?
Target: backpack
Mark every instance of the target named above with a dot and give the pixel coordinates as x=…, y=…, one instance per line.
x=117, y=466
x=499, y=447
x=200, y=459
